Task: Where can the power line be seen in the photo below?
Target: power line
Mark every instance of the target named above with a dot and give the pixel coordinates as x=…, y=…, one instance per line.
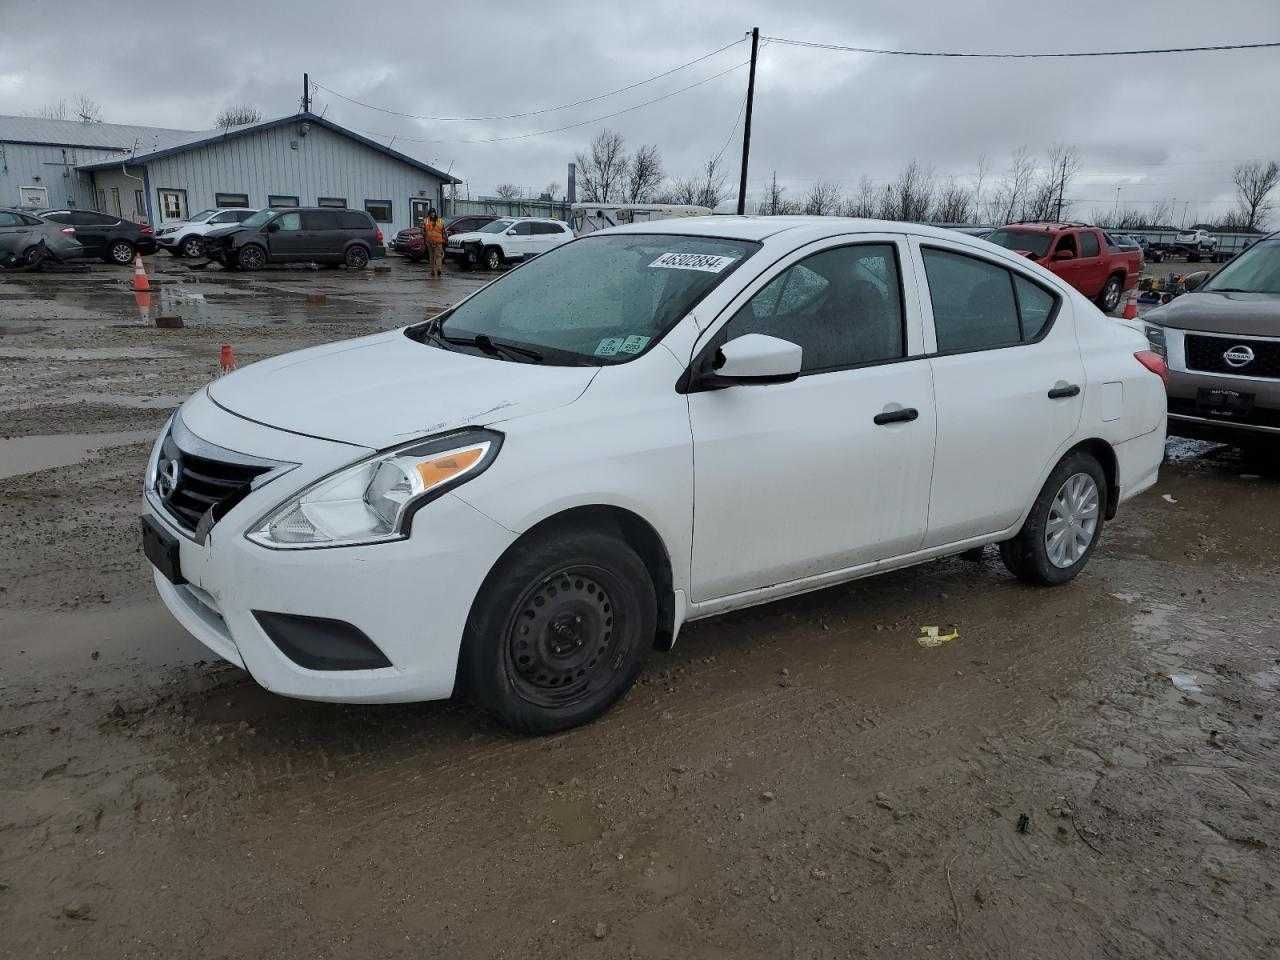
x=567, y=126
x=732, y=130
x=1021, y=56
x=530, y=113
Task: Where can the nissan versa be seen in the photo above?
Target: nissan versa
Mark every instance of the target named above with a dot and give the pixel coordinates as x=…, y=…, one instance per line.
x=646, y=426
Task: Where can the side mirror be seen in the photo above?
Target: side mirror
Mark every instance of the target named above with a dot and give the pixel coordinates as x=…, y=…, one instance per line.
x=1193, y=280
x=1064, y=255
x=756, y=358
x=273, y=226
x=511, y=232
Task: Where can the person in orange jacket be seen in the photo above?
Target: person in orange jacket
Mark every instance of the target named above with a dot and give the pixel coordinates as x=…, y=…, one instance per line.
x=433, y=234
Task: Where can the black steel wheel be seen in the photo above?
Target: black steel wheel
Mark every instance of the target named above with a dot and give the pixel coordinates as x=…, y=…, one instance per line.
x=493, y=258
x=120, y=252
x=251, y=257
x=560, y=630
x=357, y=257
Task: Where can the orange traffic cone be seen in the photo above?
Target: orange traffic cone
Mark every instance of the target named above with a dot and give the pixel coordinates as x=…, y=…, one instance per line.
x=140, y=281
x=143, y=300
x=1131, y=306
x=227, y=358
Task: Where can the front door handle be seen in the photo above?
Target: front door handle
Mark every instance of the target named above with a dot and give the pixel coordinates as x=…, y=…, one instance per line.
x=901, y=415
x=1062, y=390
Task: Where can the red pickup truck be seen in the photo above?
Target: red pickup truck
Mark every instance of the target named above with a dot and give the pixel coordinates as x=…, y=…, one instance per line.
x=1083, y=256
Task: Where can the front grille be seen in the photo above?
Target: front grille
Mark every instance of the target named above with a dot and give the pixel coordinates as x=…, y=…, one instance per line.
x=1206, y=354
x=190, y=484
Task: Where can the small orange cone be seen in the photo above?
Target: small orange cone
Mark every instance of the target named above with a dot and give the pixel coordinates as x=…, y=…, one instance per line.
x=140, y=281
x=143, y=300
x=1131, y=305
x=227, y=358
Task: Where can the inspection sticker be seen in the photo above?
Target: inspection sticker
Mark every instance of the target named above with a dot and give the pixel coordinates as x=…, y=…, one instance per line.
x=633, y=344
x=609, y=346
x=692, y=261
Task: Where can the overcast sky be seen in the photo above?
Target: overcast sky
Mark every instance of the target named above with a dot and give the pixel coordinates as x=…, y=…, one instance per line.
x=1156, y=126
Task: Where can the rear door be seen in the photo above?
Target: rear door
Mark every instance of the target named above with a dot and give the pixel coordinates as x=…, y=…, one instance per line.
x=13, y=233
x=321, y=235
x=92, y=230
x=1093, y=262
x=1009, y=382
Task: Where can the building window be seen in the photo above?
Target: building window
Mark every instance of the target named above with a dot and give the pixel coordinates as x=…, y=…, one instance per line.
x=173, y=204
x=115, y=202
x=140, y=203
x=380, y=210
x=280, y=200
x=340, y=202
x=230, y=199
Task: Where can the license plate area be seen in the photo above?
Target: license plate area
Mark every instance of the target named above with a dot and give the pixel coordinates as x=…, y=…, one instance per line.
x=1214, y=402
x=161, y=548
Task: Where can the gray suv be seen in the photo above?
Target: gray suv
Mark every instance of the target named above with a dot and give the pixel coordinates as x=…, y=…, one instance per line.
x=1222, y=344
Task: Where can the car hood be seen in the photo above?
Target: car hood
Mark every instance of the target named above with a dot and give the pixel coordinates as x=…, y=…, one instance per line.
x=1243, y=314
x=386, y=389
x=472, y=235
x=226, y=231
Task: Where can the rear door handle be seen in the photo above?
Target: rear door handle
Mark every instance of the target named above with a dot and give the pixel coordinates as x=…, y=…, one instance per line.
x=1062, y=390
x=902, y=415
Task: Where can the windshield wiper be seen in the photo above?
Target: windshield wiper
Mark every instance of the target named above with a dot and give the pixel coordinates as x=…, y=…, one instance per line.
x=482, y=342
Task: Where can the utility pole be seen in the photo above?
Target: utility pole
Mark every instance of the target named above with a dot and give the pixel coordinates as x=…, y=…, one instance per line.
x=306, y=94
x=746, y=126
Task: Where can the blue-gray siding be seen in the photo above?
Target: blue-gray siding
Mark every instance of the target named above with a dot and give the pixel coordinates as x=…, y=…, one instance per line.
x=53, y=167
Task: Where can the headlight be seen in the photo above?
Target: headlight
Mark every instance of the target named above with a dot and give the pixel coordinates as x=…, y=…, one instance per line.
x=374, y=500
x=1155, y=337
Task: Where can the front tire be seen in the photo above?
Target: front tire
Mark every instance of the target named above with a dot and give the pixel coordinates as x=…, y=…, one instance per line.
x=192, y=247
x=1064, y=524
x=559, y=631
x=120, y=252
x=1109, y=298
x=251, y=257
x=493, y=258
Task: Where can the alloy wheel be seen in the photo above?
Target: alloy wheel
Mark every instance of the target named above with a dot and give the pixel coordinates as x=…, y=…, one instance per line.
x=122, y=252
x=1073, y=520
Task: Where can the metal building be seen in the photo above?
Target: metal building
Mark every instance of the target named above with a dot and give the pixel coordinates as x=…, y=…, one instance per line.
x=165, y=175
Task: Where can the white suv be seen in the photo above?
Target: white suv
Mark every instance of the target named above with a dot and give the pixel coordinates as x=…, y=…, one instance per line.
x=508, y=240
x=186, y=237
x=653, y=424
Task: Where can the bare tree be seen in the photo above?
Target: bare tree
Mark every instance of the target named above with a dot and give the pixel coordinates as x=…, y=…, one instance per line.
x=87, y=109
x=772, y=200
x=1254, y=182
x=953, y=203
x=1064, y=164
x=710, y=184
x=910, y=196
x=57, y=110
x=643, y=174
x=237, y=115
x=822, y=199
x=507, y=191
x=984, y=167
x=865, y=203
x=551, y=190
x=1010, y=195
x=602, y=169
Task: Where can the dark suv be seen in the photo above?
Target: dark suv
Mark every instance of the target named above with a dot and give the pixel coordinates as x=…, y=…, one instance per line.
x=297, y=235
x=410, y=243
x=112, y=238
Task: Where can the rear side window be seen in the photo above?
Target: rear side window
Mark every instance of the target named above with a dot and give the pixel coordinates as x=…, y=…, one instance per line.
x=58, y=217
x=842, y=306
x=8, y=219
x=978, y=305
x=321, y=220
x=546, y=228
x=1088, y=244
x=354, y=220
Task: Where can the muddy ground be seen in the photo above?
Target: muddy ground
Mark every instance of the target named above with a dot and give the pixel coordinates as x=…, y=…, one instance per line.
x=1091, y=771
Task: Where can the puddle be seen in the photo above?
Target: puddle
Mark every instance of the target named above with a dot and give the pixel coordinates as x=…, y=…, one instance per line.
x=87, y=353
x=19, y=455
x=131, y=401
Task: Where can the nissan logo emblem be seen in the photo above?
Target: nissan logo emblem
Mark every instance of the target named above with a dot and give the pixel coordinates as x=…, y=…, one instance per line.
x=167, y=472
x=1239, y=356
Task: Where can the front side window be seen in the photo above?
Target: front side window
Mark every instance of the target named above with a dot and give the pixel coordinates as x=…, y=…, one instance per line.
x=380, y=210
x=258, y=219
x=602, y=300
x=496, y=227
x=524, y=228
x=842, y=306
x=979, y=305
x=289, y=221
x=202, y=216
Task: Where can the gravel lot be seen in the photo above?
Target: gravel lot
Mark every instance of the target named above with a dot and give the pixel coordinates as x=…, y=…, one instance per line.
x=1092, y=771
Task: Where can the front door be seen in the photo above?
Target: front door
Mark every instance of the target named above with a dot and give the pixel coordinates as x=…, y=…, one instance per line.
x=418, y=211
x=1009, y=383
x=831, y=470
x=522, y=242
x=286, y=240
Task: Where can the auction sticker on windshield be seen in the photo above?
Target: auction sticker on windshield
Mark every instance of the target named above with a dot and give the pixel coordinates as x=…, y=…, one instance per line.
x=692, y=261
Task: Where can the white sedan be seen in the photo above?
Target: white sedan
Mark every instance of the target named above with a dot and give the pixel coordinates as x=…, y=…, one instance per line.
x=643, y=427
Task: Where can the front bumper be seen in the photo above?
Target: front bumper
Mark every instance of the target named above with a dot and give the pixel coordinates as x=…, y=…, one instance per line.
x=145, y=245
x=410, y=598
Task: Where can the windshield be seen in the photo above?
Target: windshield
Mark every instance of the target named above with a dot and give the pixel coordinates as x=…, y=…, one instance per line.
x=599, y=300
x=1033, y=241
x=1257, y=270
x=259, y=218
x=496, y=227
x=203, y=215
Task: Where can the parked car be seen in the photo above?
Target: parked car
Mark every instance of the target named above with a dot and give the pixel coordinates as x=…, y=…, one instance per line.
x=410, y=243
x=508, y=240
x=297, y=235
x=1078, y=253
x=650, y=425
x=113, y=239
x=186, y=237
x=1222, y=344
x=28, y=241
x=1196, y=243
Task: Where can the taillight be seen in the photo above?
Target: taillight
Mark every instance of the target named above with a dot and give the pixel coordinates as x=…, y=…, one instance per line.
x=1155, y=363
x=145, y=229
x=377, y=231
x=68, y=230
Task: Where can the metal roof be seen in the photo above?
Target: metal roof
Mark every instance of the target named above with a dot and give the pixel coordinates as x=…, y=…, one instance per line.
x=101, y=136
x=193, y=140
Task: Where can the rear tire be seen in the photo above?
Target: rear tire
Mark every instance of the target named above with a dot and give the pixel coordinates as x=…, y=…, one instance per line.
x=119, y=252
x=559, y=631
x=357, y=257
x=35, y=256
x=1064, y=524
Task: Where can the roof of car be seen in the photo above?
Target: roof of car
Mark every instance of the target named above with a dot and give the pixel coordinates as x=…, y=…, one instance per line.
x=759, y=228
